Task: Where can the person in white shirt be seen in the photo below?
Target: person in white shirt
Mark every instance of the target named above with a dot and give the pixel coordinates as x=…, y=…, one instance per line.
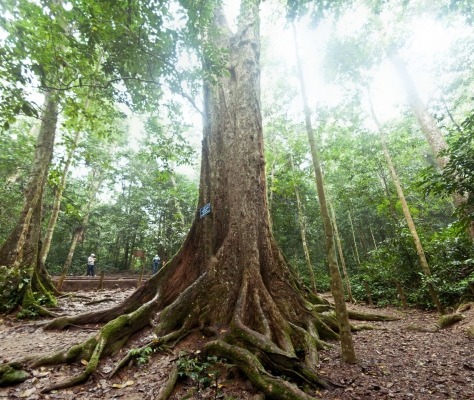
x=90, y=265
x=156, y=264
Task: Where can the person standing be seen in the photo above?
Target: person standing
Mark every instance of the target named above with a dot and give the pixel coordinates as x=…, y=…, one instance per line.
x=90, y=265
x=156, y=264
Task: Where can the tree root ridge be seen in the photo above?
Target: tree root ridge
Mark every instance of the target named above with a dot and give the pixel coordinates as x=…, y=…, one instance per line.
x=107, y=341
x=360, y=316
x=132, y=303
x=167, y=389
x=273, y=386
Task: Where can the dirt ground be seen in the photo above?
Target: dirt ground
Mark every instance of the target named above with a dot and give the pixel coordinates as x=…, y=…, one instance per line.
x=405, y=359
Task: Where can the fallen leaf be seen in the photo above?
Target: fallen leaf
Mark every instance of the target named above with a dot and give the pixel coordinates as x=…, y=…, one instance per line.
x=84, y=362
x=28, y=392
x=123, y=385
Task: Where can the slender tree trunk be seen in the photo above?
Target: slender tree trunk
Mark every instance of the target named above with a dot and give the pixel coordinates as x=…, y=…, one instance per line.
x=406, y=212
x=95, y=183
x=373, y=238
x=341, y=256
x=347, y=345
x=429, y=127
x=21, y=248
x=401, y=294
x=302, y=224
x=368, y=293
x=76, y=237
x=177, y=205
x=57, y=202
x=356, y=251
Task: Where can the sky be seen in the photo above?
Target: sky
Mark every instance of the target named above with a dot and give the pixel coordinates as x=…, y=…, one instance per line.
x=429, y=39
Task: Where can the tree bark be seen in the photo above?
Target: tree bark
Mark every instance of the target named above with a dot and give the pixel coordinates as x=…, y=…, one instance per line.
x=429, y=127
x=48, y=237
x=302, y=224
x=22, y=247
x=347, y=345
x=406, y=212
x=341, y=256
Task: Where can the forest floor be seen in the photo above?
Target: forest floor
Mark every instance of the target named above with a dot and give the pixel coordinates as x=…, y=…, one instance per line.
x=405, y=359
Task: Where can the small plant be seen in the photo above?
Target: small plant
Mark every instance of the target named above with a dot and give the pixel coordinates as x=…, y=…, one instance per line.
x=13, y=282
x=201, y=370
x=27, y=313
x=142, y=355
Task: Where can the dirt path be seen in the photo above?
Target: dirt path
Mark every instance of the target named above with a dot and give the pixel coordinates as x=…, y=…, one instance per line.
x=395, y=361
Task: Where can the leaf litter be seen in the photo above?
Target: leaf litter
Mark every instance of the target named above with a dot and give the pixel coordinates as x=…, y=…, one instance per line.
x=410, y=358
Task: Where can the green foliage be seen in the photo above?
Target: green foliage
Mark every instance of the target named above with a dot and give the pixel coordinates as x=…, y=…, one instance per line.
x=318, y=9
x=16, y=153
x=203, y=371
x=449, y=254
x=13, y=282
x=142, y=355
x=27, y=313
x=458, y=175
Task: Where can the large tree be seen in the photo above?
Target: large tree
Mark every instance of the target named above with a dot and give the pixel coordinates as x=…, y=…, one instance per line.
x=229, y=279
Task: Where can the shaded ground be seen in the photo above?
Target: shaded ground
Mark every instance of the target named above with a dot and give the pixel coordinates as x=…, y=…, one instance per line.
x=396, y=361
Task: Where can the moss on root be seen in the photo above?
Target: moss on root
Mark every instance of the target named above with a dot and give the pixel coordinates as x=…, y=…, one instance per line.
x=11, y=374
x=273, y=386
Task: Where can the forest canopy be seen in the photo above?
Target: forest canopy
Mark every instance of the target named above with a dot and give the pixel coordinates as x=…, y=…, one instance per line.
x=331, y=142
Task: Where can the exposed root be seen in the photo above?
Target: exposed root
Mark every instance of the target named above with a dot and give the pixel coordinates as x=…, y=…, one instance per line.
x=129, y=305
x=82, y=377
x=167, y=389
x=273, y=386
x=362, y=327
x=90, y=303
x=11, y=374
x=370, y=317
x=108, y=340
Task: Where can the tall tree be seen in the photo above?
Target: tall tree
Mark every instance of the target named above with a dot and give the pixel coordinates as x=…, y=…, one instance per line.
x=22, y=248
x=50, y=44
x=229, y=278
x=347, y=345
x=406, y=212
x=302, y=224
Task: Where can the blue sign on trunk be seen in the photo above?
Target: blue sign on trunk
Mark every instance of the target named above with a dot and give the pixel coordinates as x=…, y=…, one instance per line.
x=205, y=210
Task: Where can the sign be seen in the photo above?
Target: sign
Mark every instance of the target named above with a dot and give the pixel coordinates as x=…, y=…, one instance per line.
x=205, y=210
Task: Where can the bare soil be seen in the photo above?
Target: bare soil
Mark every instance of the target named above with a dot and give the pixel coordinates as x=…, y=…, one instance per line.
x=405, y=359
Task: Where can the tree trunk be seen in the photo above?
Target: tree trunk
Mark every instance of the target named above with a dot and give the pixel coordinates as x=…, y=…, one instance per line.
x=368, y=293
x=401, y=294
x=347, y=345
x=428, y=125
x=302, y=224
x=341, y=256
x=229, y=279
x=356, y=251
x=21, y=248
x=48, y=237
x=406, y=212
x=95, y=183
x=373, y=238
x=76, y=237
